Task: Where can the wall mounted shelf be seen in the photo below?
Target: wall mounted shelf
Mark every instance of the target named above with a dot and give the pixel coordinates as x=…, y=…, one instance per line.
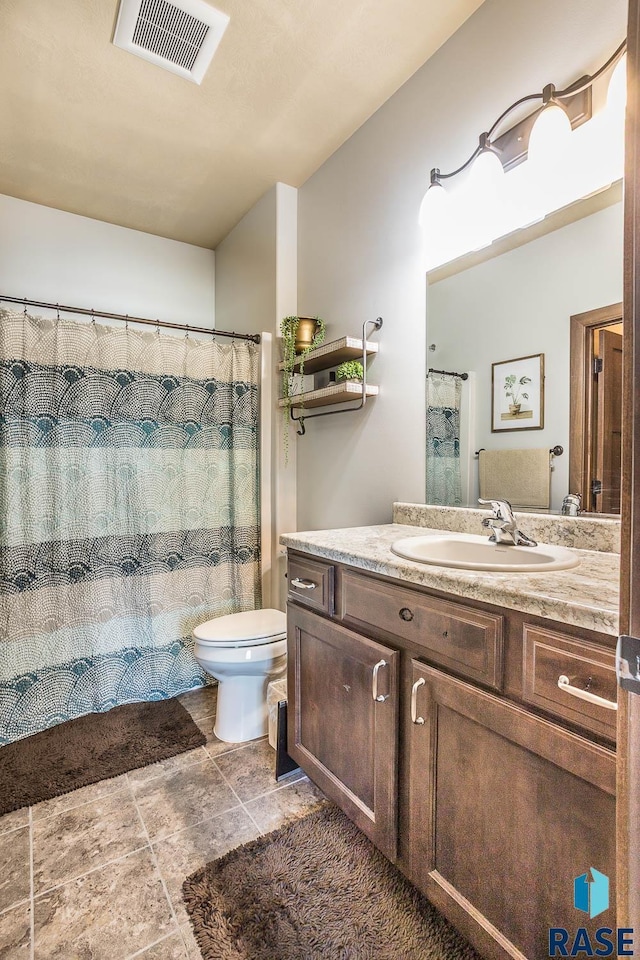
x=334, y=393
x=332, y=355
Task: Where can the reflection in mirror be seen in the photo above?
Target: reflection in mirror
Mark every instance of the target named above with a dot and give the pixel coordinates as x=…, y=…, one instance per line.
x=596, y=408
x=549, y=296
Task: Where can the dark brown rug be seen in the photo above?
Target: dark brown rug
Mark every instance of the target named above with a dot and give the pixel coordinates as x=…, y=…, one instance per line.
x=316, y=889
x=96, y=747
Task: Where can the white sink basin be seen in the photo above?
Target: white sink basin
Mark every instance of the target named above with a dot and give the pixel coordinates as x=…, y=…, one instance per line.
x=466, y=551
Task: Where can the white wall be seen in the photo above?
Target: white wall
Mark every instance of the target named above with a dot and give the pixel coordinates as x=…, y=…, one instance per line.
x=519, y=304
x=246, y=271
x=359, y=242
x=51, y=255
x=256, y=285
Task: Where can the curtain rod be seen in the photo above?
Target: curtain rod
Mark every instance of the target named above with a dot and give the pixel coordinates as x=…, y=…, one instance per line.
x=25, y=301
x=449, y=373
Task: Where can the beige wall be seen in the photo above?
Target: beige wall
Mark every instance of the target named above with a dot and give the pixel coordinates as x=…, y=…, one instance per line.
x=59, y=257
x=359, y=242
x=246, y=271
x=256, y=285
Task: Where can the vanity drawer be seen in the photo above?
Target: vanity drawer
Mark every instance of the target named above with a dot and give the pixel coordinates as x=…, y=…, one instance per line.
x=547, y=656
x=311, y=582
x=464, y=640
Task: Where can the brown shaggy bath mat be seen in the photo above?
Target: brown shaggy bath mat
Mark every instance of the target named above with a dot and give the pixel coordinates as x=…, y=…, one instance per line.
x=96, y=747
x=316, y=889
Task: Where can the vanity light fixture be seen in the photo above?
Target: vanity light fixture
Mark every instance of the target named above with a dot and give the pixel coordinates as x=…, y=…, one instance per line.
x=551, y=127
x=537, y=137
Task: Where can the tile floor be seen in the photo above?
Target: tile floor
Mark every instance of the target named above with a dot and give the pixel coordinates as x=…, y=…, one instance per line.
x=97, y=874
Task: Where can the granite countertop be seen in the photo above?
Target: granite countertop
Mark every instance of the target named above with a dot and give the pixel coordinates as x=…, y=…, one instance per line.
x=585, y=596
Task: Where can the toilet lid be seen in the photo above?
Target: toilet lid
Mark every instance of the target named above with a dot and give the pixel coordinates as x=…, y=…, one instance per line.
x=252, y=626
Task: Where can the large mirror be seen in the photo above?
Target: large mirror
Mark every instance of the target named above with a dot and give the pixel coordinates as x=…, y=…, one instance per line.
x=536, y=325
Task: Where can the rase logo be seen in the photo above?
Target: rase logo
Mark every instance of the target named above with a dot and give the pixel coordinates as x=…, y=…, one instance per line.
x=591, y=896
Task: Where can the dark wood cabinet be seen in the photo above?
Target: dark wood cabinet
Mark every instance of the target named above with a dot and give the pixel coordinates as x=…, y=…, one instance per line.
x=491, y=802
x=506, y=809
x=343, y=716
x=464, y=640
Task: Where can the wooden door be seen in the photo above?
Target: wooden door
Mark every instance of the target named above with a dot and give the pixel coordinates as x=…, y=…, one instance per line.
x=628, y=859
x=608, y=459
x=343, y=701
x=505, y=811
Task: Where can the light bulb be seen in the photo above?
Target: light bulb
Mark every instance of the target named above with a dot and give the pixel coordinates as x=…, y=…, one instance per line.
x=433, y=207
x=550, y=134
x=438, y=230
x=617, y=93
x=614, y=119
x=485, y=200
x=550, y=159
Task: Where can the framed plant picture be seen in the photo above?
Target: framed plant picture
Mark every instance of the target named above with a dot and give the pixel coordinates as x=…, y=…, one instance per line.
x=517, y=401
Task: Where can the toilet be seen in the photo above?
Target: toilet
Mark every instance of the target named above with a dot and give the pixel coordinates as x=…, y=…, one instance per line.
x=244, y=652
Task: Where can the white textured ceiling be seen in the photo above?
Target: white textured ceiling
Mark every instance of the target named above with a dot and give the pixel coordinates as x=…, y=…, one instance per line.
x=88, y=128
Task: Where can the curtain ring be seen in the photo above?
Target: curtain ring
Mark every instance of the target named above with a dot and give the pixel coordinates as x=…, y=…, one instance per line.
x=157, y=328
x=93, y=319
x=25, y=306
x=57, y=312
x=126, y=321
x=186, y=336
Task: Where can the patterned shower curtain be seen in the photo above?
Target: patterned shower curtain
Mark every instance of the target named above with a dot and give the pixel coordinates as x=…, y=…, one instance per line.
x=129, y=512
x=444, y=487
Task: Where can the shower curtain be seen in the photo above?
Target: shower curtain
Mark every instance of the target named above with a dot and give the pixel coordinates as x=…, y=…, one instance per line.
x=129, y=512
x=444, y=486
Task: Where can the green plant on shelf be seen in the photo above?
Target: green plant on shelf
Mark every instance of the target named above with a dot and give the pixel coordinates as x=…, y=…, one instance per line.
x=350, y=370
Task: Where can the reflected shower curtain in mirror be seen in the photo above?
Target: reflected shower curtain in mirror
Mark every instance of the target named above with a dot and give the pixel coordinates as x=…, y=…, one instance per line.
x=129, y=502
x=444, y=486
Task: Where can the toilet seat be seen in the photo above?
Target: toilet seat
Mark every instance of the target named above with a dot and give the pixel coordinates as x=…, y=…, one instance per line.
x=241, y=654
x=248, y=629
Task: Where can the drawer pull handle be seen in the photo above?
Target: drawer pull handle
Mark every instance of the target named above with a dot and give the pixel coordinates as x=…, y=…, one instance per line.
x=565, y=684
x=414, y=702
x=405, y=614
x=378, y=697
x=301, y=584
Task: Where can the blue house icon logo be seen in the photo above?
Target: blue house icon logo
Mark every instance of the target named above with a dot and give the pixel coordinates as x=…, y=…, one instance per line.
x=591, y=896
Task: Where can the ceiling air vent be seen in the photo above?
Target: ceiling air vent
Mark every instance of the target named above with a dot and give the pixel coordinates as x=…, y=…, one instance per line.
x=181, y=37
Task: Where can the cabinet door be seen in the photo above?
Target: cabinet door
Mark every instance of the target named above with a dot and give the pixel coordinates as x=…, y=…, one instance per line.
x=506, y=811
x=344, y=738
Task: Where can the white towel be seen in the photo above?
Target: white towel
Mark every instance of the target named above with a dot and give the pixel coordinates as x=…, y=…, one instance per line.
x=523, y=477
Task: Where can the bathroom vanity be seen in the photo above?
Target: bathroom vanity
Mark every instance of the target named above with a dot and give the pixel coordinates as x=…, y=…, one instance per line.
x=426, y=703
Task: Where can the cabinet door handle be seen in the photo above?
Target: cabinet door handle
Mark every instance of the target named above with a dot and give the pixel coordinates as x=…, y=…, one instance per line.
x=301, y=584
x=405, y=614
x=379, y=698
x=565, y=684
x=414, y=701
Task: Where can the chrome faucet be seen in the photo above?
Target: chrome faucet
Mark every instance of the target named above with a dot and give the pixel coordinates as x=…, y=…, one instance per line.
x=504, y=526
x=571, y=505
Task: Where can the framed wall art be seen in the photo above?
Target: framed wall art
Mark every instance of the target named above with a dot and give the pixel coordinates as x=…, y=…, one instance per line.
x=517, y=401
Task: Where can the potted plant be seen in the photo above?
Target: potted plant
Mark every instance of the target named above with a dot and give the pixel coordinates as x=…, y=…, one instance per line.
x=300, y=335
x=350, y=370
x=514, y=392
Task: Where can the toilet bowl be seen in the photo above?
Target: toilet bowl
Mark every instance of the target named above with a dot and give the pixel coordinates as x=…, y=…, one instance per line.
x=244, y=652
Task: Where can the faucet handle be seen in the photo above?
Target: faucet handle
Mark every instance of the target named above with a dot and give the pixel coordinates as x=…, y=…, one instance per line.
x=501, y=508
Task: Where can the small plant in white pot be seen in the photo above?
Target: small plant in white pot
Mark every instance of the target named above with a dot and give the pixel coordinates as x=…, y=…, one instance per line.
x=350, y=370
